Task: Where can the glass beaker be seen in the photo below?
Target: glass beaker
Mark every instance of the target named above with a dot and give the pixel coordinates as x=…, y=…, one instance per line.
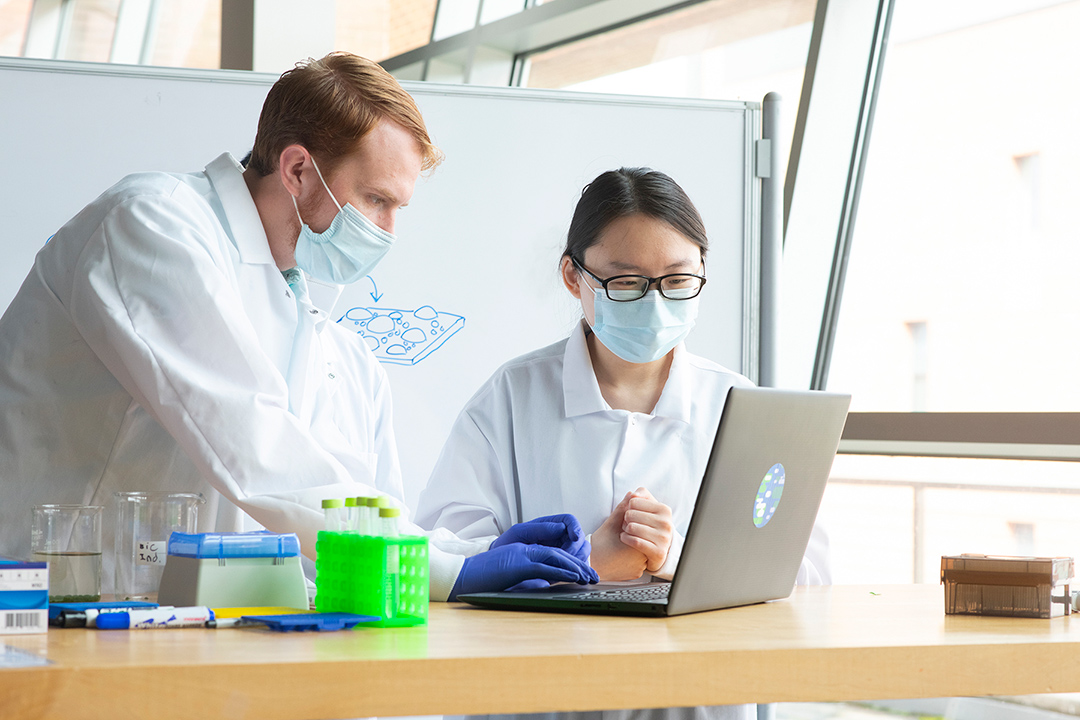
x=144, y=522
x=68, y=537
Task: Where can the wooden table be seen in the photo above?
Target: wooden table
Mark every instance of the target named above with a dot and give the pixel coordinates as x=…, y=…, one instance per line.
x=822, y=644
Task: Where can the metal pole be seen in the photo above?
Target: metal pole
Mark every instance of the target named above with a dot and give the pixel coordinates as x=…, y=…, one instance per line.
x=772, y=241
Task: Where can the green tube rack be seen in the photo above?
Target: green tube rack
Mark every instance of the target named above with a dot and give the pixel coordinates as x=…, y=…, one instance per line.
x=355, y=573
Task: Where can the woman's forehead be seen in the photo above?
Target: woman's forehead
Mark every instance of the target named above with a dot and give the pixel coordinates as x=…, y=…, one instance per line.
x=636, y=242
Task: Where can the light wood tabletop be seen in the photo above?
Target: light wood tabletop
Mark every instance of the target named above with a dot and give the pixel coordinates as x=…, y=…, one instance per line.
x=821, y=644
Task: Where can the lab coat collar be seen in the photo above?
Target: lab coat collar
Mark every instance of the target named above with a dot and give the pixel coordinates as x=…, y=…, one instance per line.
x=245, y=225
x=323, y=296
x=581, y=391
x=675, y=400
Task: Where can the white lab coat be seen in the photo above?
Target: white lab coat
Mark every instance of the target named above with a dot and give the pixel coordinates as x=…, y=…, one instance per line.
x=539, y=430
x=150, y=348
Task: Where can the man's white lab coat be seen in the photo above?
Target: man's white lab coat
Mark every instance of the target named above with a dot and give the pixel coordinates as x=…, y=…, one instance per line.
x=150, y=348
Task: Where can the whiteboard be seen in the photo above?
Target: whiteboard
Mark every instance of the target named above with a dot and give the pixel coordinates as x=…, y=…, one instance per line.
x=472, y=280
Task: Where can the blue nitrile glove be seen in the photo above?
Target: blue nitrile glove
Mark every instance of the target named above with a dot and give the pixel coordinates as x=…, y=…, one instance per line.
x=561, y=531
x=510, y=565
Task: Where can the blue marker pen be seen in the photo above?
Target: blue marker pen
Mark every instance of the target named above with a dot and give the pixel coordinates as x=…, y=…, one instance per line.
x=159, y=618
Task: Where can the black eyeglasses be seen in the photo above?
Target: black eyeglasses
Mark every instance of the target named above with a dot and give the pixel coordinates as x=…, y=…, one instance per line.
x=627, y=288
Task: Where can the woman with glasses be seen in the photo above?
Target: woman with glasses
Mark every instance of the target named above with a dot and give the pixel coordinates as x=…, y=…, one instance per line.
x=615, y=423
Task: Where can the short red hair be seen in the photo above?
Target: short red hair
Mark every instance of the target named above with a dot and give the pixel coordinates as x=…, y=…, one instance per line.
x=328, y=106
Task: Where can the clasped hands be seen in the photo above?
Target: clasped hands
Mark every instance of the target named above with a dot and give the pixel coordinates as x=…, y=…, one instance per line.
x=634, y=538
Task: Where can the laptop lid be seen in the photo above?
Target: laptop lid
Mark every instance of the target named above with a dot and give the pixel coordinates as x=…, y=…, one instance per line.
x=759, y=498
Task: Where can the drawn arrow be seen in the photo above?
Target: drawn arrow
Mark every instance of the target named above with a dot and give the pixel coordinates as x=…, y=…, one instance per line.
x=376, y=295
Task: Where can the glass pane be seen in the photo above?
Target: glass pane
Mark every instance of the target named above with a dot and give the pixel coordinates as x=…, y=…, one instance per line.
x=379, y=29
x=960, y=292
x=454, y=17
x=90, y=33
x=497, y=9
x=720, y=49
x=188, y=34
x=14, y=17
x=890, y=519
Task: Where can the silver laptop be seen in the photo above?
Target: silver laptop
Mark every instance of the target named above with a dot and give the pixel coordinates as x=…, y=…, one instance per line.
x=752, y=519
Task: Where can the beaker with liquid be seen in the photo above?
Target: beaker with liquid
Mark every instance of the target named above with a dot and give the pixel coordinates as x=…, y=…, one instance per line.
x=144, y=522
x=68, y=537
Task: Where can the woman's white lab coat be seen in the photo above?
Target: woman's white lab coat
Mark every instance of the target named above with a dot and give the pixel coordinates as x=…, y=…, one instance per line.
x=539, y=433
x=153, y=346
x=538, y=439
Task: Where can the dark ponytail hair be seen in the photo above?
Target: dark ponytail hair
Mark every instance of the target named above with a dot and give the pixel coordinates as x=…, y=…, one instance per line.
x=631, y=191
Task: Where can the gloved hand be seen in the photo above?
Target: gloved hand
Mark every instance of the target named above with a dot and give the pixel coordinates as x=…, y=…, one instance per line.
x=561, y=531
x=509, y=565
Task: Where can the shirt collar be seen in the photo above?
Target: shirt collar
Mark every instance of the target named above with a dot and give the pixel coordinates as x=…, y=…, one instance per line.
x=581, y=391
x=245, y=225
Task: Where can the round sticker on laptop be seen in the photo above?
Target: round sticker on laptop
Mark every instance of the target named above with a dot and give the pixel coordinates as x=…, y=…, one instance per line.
x=768, y=495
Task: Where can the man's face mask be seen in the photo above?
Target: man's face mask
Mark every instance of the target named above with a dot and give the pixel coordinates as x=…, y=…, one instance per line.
x=347, y=250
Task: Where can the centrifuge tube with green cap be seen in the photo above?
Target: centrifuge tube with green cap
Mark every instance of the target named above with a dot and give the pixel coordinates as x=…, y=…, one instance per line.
x=363, y=516
x=334, y=514
x=373, y=515
x=388, y=521
x=352, y=514
x=388, y=529
x=377, y=504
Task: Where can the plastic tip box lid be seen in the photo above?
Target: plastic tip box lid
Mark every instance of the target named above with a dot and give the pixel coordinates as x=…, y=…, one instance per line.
x=234, y=544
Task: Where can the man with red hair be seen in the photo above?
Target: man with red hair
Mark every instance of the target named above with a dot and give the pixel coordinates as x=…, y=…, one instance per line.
x=174, y=335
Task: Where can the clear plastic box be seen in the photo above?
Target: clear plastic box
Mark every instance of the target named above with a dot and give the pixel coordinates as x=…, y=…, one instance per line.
x=1005, y=585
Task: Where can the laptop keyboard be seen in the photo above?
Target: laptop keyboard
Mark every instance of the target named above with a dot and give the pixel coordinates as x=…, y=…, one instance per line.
x=648, y=593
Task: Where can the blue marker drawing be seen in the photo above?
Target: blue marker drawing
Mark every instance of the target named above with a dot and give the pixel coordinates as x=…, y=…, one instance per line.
x=375, y=294
x=402, y=337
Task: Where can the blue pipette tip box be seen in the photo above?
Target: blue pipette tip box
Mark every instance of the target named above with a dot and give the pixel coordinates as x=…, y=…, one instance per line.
x=225, y=545
x=320, y=622
x=233, y=569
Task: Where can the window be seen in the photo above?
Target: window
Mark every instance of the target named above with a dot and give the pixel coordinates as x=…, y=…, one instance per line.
x=380, y=29
x=890, y=519
x=187, y=33
x=965, y=222
x=957, y=296
x=715, y=49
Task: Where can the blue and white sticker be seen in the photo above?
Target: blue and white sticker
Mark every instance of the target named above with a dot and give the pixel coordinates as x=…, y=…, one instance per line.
x=768, y=495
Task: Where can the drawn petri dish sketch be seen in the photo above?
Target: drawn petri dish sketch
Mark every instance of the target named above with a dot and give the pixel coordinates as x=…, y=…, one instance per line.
x=402, y=337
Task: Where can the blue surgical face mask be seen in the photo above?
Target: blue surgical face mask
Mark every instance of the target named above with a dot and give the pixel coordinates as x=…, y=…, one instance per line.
x=347, y=250
x=641, y=331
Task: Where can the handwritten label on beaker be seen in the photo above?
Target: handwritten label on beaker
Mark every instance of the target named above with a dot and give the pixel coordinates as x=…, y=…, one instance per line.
x=150, y=552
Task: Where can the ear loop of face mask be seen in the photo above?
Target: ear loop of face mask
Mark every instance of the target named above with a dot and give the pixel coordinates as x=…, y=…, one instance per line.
x=323, y=181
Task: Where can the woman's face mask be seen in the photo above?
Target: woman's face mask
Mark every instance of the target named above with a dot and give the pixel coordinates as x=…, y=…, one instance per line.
x=643, y=330
x=347, y=250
